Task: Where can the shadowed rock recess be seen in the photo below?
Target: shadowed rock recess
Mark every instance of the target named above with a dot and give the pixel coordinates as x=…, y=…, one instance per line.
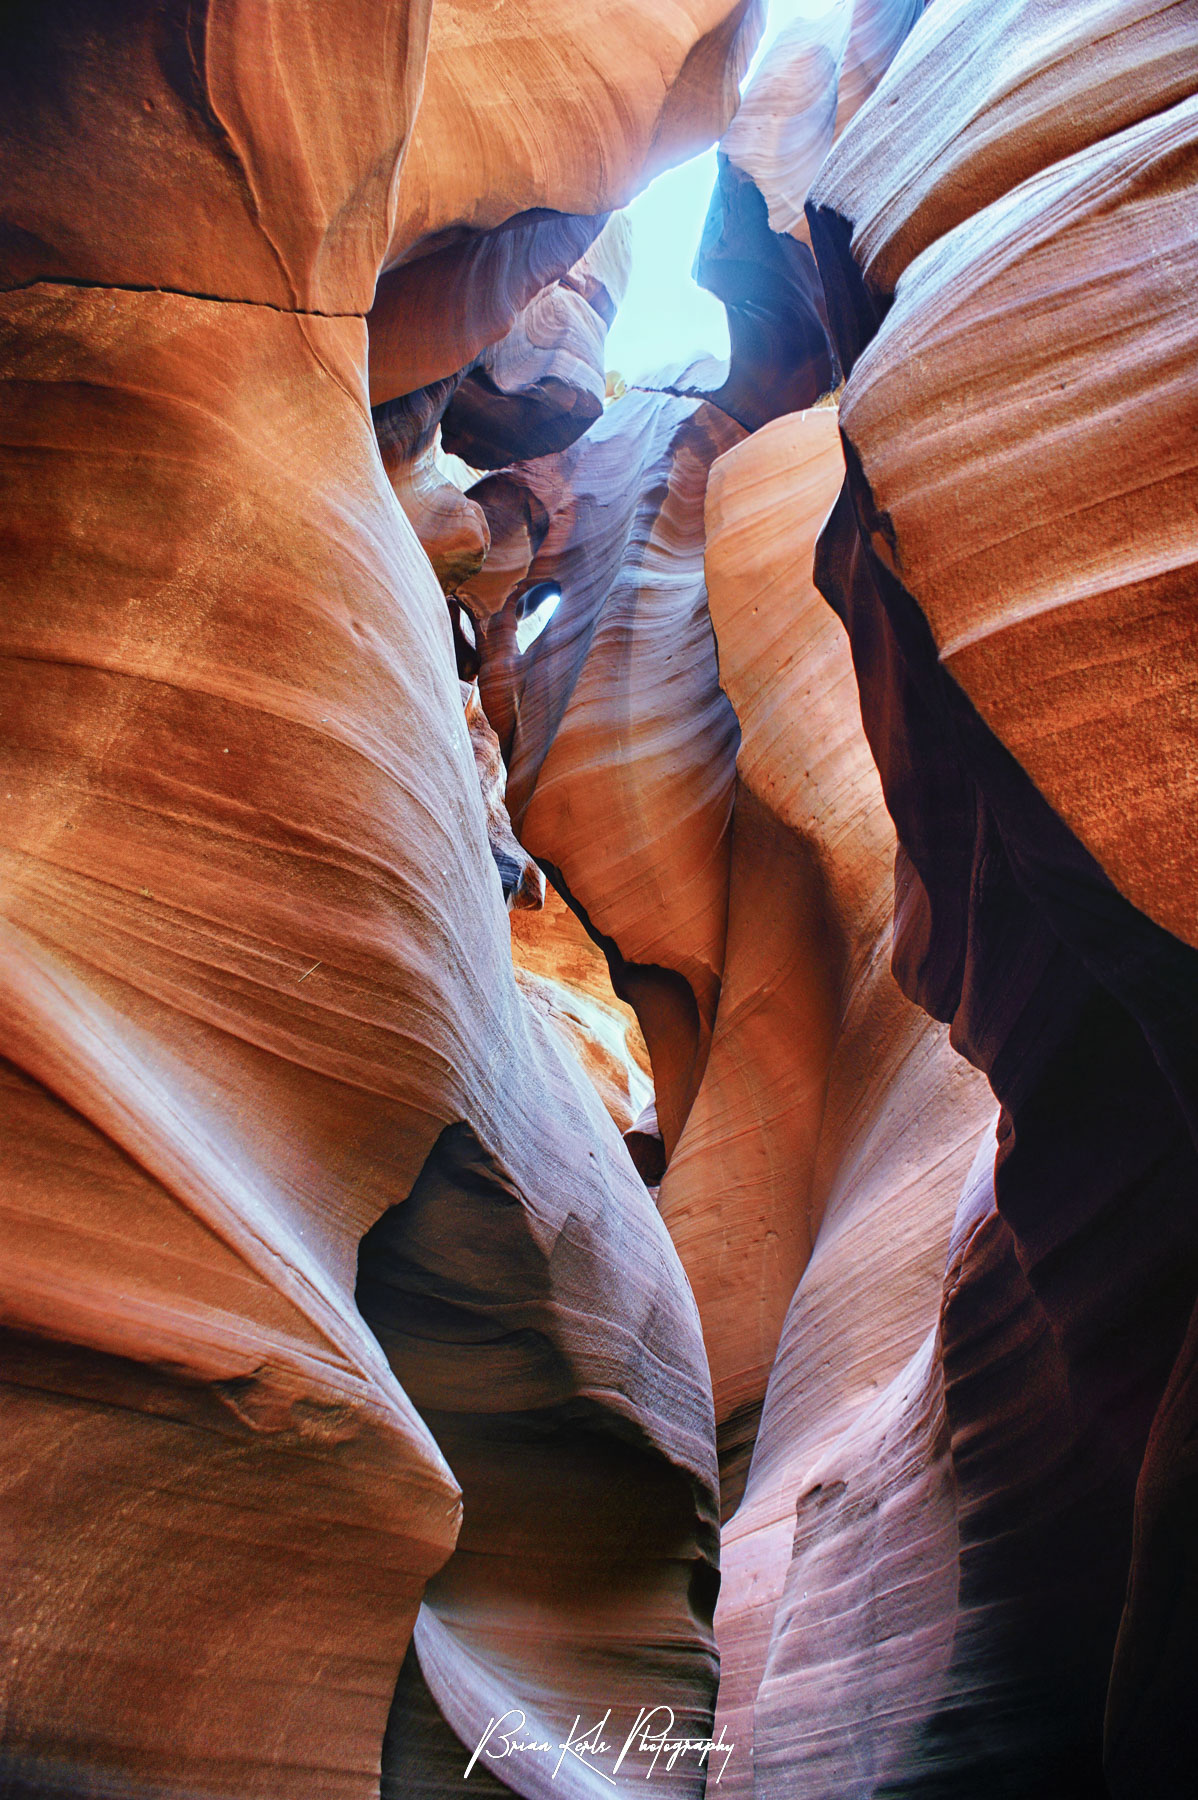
x=598, y=996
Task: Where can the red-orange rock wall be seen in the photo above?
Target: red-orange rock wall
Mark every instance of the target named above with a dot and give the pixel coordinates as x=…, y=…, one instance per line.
x=359, y=1382
x=258, y=994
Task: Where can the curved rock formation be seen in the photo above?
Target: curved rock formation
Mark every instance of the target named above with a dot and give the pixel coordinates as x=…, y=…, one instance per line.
x=940, y=144
x=522, y=882
x=755, y=254
x=363, y=1299
x=588, y=1564
x=516, y=522
x=541, y=386
x=1044, y=850
x=781, y=360
x=1064, y=1313
x=826, y=1148
x=263, y=1047
x=1059, y=536
x=563, y=974
x=980, y=1426
x=619, y=743
x=438, y=310
x=452, y=529
x=534, y=391
x=830, y=1112
x=196, y=887
x=196, y=149
x=817, y=74
x=790, y=1090
x=595, y=100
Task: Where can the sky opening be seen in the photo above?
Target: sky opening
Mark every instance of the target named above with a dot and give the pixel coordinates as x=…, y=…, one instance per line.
x=666, y=317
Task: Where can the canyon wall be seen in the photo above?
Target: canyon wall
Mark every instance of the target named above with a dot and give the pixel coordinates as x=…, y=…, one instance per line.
x=258, y=987
x=949, y=1347
x=513, y=1136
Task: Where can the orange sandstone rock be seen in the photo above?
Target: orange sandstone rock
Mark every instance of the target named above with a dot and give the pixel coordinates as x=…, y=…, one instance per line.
x=976, y=103
x=257, y=968
x=542, y=385
x=1017, y=506
x=835, y=1127
x=564, y=976
x=618, y=740
x=267, y=1071
x=594, y=101
x=200, y=151
x=816, y=76
x=1041, y=898
x=452, y=529
x=498, y=200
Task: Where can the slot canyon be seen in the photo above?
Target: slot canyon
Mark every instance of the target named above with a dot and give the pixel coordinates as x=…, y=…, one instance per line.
x=598, y=968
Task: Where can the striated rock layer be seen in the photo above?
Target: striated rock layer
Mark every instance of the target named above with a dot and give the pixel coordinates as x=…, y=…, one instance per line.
x=620, y=745
x=268, y=1079
x=564, y=975
x=389, y=1311
x=535, y=121
x=829, y=1144
x=1013, y=576
x=828, y=1129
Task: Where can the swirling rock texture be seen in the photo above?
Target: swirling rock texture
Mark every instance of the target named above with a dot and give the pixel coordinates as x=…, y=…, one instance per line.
x=832, y=1113
x=827, y=1129
x=532, y=127
x=619, y=743
x=361, y=1386
x=318, y=1245
x=560, y=971
x=541, y=385
x=958, y=1482
x=755, y=254
x=780, y=357
x=452, y=529
x=533, y=391
x=563, y=972
x=816, y=77
x=1009, y=272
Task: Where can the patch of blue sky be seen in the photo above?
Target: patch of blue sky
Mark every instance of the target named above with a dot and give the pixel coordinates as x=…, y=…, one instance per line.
x=666, y=317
